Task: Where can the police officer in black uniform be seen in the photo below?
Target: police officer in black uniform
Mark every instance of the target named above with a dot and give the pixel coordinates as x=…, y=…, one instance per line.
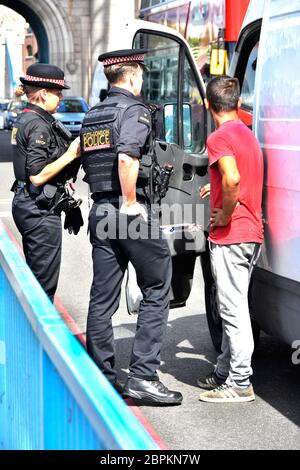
x=113, y=139
x=43, y=160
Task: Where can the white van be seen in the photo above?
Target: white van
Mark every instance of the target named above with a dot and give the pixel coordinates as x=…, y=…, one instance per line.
x=266, y=61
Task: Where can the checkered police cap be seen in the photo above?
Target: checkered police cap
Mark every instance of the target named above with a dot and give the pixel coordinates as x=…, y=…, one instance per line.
x=123, y=56
x=44, y=76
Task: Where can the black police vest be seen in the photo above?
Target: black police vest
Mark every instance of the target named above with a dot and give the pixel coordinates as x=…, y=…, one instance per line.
x=99, y=133
x=57, y=147
x=19, y=145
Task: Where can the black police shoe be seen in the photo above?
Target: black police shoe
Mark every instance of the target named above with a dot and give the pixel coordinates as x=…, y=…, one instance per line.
x=150, y=392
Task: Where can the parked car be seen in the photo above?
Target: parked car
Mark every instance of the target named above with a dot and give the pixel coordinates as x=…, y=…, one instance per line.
x=71, y=112
x=3, y=107
x=14, y=108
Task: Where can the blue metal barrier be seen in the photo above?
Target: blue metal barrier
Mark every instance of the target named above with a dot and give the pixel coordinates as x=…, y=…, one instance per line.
x=52, y=395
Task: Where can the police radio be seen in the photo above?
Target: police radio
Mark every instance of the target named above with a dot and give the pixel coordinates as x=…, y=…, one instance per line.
x=62, y=130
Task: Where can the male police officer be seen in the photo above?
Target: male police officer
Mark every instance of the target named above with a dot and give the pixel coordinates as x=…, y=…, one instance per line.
x=113, y=138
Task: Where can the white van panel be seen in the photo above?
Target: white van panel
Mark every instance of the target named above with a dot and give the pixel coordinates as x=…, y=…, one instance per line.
x=277, y=126
x=255, y=12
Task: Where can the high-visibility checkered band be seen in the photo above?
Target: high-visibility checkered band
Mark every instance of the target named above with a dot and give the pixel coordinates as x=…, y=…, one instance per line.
x=30, y=78
x=128, y=58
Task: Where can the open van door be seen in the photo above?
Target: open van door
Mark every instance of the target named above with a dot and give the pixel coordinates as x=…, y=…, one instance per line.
x=173, y=83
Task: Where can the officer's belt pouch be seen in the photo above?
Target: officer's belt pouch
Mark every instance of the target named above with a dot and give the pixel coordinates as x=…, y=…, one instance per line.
x=14, y=186
x=46, y=198
x=145, y=165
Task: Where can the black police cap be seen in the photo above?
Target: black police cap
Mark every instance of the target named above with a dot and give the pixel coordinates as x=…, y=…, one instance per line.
x=44, y=76
x=123, y=56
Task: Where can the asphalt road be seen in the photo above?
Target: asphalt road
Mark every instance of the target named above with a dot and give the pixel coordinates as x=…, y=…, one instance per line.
x=271, y=422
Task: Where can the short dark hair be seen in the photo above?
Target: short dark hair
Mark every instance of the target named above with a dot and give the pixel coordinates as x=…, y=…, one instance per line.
x=223, y=93
x=117, y=72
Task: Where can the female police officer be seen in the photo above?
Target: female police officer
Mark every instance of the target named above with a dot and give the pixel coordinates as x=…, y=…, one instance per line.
x=42, y=159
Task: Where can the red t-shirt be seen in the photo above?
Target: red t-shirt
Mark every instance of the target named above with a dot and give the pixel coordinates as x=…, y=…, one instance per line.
x=234, y=139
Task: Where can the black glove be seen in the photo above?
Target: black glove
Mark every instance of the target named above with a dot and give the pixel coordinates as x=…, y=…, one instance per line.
x=66, y=203
x=70, y=206
x=73, y=220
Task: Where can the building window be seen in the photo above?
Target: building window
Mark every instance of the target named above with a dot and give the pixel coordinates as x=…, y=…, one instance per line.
x=29, y=50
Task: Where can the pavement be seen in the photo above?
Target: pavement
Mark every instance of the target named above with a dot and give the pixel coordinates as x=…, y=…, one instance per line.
x=271, y=422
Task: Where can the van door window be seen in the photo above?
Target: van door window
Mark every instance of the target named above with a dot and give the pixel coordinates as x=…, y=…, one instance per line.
x=193, y=112
x=171, y=84
x=160, y=85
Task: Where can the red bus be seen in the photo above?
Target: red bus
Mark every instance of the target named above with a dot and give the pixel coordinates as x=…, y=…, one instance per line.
x=211, y=27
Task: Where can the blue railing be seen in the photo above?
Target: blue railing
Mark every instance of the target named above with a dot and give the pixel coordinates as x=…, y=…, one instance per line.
x=52, y=395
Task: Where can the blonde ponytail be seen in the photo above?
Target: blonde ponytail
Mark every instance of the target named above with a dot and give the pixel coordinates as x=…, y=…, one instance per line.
x=32, y=92
x=19, y=91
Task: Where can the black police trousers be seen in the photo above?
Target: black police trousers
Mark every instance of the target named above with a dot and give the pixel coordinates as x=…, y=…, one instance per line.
x=42, y=238
x=115, y=242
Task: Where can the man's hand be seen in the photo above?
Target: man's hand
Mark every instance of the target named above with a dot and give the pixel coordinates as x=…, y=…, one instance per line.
x=134, y=209
x=218, y=218
x=204, y=191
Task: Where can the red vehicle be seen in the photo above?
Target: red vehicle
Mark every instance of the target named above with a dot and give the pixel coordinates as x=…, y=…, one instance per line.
x=210, y=27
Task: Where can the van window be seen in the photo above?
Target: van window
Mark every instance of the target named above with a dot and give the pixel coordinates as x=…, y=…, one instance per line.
x=160, y=85
x=247, y=91
x=171, y=84
x=193, y=126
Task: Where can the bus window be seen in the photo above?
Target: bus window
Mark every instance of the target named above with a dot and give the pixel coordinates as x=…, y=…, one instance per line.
x=247, y=91
x=174, y=18
x=205, y=20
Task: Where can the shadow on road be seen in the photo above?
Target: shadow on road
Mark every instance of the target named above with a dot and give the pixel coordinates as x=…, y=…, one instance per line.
x=188, y=354
x=179, y=351
x=276, y=379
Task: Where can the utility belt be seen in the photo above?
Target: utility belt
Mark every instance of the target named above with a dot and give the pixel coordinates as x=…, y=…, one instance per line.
x=27, y=187
x=56, y=199
x=109, y=195
x=116, y=197
x=44, y=196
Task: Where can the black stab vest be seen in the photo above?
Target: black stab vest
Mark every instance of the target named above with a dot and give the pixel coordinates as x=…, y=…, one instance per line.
x=99, y=134
x=58, y=145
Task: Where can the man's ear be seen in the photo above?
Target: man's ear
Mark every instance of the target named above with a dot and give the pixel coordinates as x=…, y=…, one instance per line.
x=207, y=104
x=240, y=100
x=131, y=78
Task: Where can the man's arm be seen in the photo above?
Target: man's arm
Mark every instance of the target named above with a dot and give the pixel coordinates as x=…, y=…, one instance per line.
x=128, y=173
x=133, y=135
x=230, y=192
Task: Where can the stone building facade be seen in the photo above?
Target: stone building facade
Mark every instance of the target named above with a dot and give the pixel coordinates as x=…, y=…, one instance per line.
x=72, y=33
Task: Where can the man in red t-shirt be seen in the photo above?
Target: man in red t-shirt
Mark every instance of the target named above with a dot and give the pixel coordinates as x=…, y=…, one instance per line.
x=236, y=182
